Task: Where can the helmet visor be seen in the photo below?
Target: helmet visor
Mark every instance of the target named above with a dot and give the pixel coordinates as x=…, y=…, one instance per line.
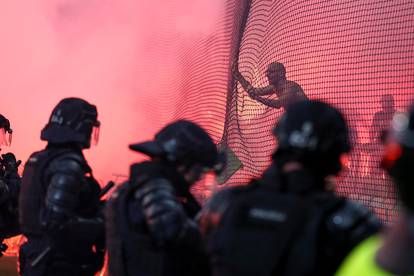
x=5, y=137
x=95, y=135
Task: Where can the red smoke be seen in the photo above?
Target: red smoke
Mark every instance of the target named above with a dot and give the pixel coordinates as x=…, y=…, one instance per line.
x=105, y=51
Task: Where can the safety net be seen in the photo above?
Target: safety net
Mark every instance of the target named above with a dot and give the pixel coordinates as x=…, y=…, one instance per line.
x=356, y=55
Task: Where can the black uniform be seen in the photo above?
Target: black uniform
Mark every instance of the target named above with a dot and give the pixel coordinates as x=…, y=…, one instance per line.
x=60, y=209
x=9, y=194
x=9, y=187
x=150, y=227
x=166, y=247
x=288, y=222
x=266, y=229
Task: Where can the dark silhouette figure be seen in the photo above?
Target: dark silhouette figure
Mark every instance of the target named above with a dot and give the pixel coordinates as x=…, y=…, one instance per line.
x=392, y=253
x=287, y=91
x=59, y=203
x=9, y=187
x=382, y=119
x=150, y=227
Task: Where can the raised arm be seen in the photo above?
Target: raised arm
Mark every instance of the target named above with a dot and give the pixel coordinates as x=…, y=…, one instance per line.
x=291, y=93
x=247, y=86
x=269, y=102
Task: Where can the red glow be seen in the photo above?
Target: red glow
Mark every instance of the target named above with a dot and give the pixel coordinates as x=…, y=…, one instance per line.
x=107, y=52
x=393, y=152
x=344, y=159
x=103, y=51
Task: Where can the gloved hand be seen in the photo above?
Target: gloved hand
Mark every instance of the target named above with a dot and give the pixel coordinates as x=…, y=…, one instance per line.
x=9, y=162
x=165, y=217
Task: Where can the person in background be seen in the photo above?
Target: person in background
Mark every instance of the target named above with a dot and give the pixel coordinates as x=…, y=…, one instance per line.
x=382, y=118
x=287, y=91
x=392, y=253
x=9, y=187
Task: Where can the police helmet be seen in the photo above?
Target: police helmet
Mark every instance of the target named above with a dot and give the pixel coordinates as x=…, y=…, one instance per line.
x=73, y=120
x=5, y=131
x=314, y=133
x=182, y=142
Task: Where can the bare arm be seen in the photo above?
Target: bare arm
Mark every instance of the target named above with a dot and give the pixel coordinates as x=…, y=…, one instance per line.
x=269, y=102
x=247, y=86
x=255, y=91
x=291, y=93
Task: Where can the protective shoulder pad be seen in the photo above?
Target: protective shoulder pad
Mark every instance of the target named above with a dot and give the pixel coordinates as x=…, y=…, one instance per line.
x=68, y=163
x=154, y=186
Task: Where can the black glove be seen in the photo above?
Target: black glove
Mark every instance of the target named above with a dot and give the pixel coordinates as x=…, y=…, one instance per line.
x=165, y=220
x=9, y=162
x=164, y=214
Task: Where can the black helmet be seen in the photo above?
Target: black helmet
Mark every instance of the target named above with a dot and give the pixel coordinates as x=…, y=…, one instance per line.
x=6, y=131
x=398, y=157
x=5, y=124
x=313, y=133
x=182, y=142
x=71, y=121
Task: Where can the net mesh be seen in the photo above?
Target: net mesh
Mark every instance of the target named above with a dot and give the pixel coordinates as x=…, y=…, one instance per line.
x=356, y=55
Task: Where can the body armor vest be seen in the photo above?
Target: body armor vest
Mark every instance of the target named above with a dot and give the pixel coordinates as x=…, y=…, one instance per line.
x=34, y=187
x=130, y=248
x=278, y=226
x=9, y=215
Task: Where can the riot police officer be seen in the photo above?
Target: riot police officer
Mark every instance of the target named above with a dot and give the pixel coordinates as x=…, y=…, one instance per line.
x=9, y=187
x=150, y=227
x=59, y=201
x=288, y=222
x=393, y=252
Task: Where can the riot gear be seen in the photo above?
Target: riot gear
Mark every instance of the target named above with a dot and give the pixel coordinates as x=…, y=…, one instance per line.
x=9, y=186
x=150, y=223
x=288, y=222
x=314, y=134
x=60, y=208
x=9, y=163
x=182, y=142
x=5, y=131
x=73, y=120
